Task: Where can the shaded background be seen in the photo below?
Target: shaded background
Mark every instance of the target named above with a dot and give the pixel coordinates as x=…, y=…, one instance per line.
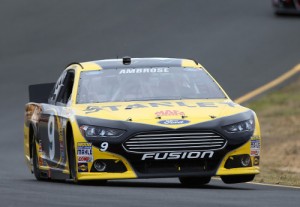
x=242, y=43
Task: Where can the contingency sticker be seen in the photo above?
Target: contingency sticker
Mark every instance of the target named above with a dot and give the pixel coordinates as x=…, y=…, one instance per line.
x=84, y=152
x=83, y=167
x=255, y=147
x=256, y=160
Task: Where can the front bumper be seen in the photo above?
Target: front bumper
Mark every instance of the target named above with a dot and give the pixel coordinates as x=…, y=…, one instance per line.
x=135, y=167
x=132, y=172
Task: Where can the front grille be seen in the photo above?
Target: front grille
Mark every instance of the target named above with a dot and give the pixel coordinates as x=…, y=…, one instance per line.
x=174, y=141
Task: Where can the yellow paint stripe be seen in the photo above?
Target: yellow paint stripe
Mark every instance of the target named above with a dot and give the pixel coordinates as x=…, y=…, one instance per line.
x=190, y=63
x=91, y=66
x=269, y=85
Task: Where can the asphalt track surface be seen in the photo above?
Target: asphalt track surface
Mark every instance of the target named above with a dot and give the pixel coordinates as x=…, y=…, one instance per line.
x=240, y=42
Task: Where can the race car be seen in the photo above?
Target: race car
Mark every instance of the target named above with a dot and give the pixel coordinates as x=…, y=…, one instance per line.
x=139, y=118
x=286, y=6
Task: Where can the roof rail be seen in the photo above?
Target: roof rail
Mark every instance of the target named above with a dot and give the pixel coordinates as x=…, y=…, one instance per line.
x=75, y=63
x=195, y=61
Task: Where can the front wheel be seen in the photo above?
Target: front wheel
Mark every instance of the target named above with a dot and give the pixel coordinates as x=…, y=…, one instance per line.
x=194, y=181
x=231, y=179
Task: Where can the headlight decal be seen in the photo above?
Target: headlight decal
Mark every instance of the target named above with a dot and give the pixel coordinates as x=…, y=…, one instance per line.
x=247, y=125
x=97, y=131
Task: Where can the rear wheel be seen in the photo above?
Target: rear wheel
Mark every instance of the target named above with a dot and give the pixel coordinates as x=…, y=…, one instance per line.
x=231, y=179
x=35, y=162
x=194, y=181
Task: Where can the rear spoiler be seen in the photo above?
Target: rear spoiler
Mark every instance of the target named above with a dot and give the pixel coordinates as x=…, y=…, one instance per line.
x=39, y=93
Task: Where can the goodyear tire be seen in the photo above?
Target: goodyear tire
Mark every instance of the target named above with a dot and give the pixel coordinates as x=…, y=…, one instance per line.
x=35, y=162
x=194, y=181
x=231, y=179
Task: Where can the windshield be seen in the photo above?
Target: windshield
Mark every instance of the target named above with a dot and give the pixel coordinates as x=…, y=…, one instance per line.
x=141, y=84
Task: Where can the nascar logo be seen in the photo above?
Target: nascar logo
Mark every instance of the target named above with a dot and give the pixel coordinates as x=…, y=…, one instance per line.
x=178, y=155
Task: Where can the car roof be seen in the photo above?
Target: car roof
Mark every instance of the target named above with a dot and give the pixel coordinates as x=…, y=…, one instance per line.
x=137, y=63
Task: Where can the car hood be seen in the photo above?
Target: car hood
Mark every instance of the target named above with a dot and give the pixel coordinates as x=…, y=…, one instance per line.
x=173, y=114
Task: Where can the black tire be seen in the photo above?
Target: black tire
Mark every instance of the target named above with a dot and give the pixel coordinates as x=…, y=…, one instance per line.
x=194, y=181
x=231, y=179
x=35, y=162
x=101, y=182
x=72, y=159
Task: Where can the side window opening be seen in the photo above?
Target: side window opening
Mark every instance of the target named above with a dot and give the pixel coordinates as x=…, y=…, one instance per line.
x=56, y=88
x=66, y=89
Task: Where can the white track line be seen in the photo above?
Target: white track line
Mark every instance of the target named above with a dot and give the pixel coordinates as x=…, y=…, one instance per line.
x=274, y=185
x=265, y=184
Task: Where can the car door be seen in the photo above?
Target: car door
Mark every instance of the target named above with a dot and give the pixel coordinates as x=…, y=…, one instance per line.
x=52, y=123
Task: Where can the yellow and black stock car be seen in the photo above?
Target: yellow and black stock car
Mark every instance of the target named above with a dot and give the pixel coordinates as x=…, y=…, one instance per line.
x=139, y=118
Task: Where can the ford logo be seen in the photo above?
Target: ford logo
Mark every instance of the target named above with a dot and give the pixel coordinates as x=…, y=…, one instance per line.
x=174, y=121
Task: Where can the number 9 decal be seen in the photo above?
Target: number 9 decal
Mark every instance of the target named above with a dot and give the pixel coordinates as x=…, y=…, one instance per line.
x=51, y=131
x=103, y=146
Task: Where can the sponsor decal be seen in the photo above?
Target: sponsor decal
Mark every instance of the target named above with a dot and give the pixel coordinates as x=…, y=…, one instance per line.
x=84, y=152
x=40, y=146
x=255, y=146
x=256, y=160
x=62, y=155
x=83, y=167
x=40, y=161
x=144, y=70
x=255, y=138
x=61, y=144
x=174, y=122
x=177, y=155
x=41, y=155
x=85, y=159
x=45, y=163
x=255, y=152
x=94, y=109
x=169, y=113
x=62, y=150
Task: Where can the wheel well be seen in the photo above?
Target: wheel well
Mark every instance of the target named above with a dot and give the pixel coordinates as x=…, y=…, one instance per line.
x=31, y=132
